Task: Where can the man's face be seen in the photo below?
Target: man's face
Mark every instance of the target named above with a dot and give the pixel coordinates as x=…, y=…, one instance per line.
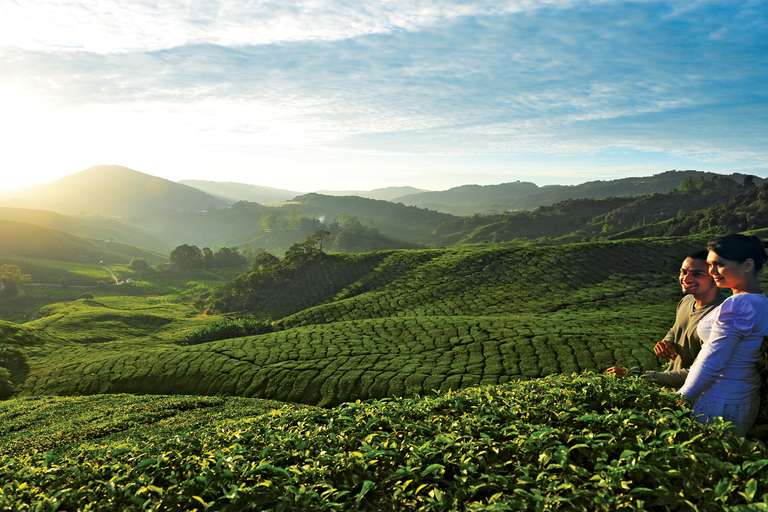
x=695, y=278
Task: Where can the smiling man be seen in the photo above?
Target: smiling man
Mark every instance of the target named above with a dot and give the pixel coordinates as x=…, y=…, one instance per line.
x=681, y=345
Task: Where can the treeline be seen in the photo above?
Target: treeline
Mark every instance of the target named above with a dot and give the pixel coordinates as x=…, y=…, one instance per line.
x=191, y=257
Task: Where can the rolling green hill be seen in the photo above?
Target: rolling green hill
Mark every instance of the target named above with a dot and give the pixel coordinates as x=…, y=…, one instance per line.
x=21, y=239
x=620, y=217
x=391, y=324
x=97, y=227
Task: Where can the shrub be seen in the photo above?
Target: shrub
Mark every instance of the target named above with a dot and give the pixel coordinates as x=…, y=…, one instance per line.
x=225, y=328
x=138, y=264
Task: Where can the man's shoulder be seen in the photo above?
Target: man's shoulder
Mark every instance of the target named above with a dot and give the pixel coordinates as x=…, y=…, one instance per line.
x=686, y=301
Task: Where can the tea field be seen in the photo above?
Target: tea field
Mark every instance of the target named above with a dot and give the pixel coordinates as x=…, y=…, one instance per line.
x=450, y=379
x=587, y=442
x=388, y=324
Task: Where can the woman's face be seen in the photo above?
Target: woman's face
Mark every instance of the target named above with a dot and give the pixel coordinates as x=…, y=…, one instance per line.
x=729, y=273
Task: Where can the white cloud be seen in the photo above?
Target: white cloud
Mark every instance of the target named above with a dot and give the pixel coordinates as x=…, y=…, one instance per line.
x=109, y=25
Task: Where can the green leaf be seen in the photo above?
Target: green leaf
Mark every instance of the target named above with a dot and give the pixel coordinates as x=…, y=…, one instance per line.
x=432, y=468
x=146, y=462
x=366, y=487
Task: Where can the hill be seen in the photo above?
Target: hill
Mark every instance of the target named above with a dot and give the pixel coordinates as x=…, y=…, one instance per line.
x=480, y=356
x=21, y=239
x=234, y=192
x=94, y=227
x=390, y=324
x=383, y=194
x=111, y=190
x=619, y=217
x=401, y=222
x=528, y=196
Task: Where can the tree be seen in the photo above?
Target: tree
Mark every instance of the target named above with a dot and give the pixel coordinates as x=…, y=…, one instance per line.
x=270, y=221
x=187, y=257
x=208, y=258
x=346, y=219
x=10, y=280
x=138, y=264
x=320, y=237
x=229, y=258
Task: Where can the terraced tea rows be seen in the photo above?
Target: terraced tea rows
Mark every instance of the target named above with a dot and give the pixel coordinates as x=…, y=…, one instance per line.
x=331, y=363
x=389, y=324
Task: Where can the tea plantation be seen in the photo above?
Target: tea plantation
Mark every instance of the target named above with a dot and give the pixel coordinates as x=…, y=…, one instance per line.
x=453, y=379
x=408, y=323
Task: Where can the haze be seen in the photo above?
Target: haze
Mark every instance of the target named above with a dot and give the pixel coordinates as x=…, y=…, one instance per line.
x=312, y=95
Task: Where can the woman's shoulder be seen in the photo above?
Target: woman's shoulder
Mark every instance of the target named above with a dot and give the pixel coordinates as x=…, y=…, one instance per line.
x=745, y=303
x=747, y=298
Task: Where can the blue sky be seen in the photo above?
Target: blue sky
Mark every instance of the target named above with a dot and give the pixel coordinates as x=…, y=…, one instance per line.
x=348, y=95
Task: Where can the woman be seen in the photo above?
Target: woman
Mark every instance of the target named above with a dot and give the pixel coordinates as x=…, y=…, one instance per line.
x=724, y=379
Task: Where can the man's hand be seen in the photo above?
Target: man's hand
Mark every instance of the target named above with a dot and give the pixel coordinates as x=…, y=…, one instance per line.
x=665, y=350
x=618, y=371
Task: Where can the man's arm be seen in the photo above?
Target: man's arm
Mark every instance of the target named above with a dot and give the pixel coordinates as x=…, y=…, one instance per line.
x=673, y=379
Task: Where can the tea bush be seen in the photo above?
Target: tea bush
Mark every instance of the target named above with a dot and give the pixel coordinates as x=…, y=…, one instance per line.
x=225, y=328
x=578, y=442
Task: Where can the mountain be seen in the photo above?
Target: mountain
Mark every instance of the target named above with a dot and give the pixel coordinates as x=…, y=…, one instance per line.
x=407, y=223
x=111, y=190
x=528, y=196
x=384, y=194
x=234, y=192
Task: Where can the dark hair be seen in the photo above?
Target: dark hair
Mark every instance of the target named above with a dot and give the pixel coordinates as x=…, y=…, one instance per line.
x=739, y=248
x=698, y=255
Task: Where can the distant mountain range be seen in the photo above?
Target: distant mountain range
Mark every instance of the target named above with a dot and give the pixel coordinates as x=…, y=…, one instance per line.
x=235, y=192
x=113, y=203
x=468, y=199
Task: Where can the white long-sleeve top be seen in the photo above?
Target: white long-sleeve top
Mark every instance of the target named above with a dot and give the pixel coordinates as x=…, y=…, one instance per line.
x=726, y=368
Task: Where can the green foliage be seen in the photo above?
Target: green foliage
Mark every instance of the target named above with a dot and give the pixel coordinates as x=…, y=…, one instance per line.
x=138, y=264
x=225, y=328
x=187, y=257
x=581, y=442
x=10, y=280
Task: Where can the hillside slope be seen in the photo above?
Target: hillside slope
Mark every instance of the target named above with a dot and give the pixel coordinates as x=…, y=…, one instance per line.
x=21, y=239
x=98, y=227
x=407, y=322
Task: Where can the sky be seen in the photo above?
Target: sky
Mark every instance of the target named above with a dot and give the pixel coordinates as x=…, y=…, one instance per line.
x=312, y=95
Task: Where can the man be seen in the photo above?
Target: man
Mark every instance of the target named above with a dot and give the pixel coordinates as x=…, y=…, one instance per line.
x=681, y=345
